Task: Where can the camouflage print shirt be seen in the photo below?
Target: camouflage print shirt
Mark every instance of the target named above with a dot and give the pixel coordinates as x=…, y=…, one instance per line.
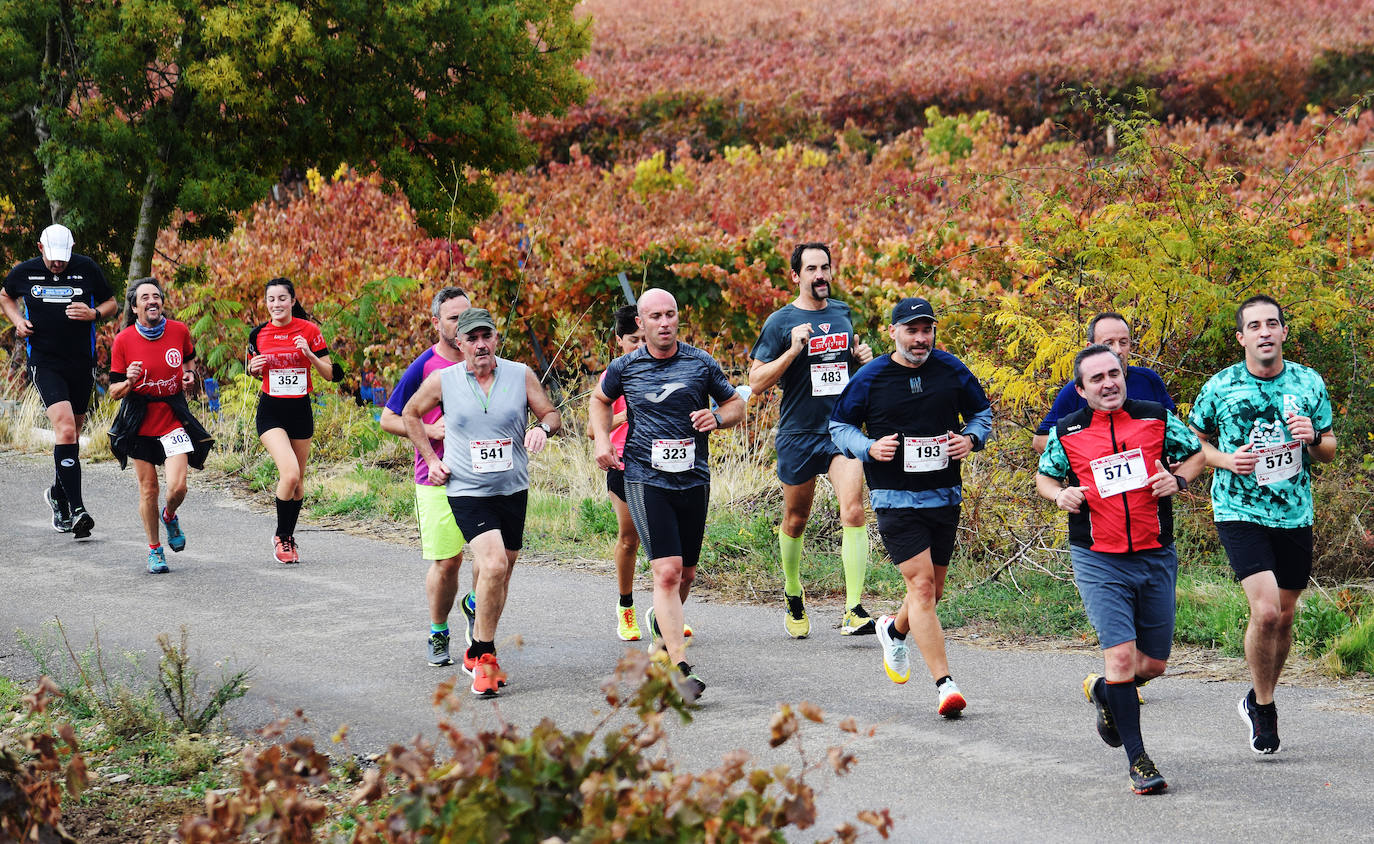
x=1235, y=408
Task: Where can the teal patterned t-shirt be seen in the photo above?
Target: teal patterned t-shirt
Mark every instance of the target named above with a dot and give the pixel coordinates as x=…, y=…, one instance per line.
x=1236, y=407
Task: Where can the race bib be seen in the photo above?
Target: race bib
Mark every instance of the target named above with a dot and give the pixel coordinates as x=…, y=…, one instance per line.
x=674, y=455
x=1120, y=472
x=925, y=454
x=177, y=442
x=828, y=379
x=1277, y=462
x=491, y=455
x=286, y=383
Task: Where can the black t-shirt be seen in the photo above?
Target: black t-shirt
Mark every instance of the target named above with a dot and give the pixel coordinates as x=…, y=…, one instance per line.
x=56, y=340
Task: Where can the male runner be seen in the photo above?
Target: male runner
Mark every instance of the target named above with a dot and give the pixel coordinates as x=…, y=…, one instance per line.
x=440, y=540
x=1109, y=329
x=667, y=387
x=1262, y=422
x=485, y=467
x=1106, y=465
x=63, y=294
x=923, y=412
x=808, y=347
x=150, y=370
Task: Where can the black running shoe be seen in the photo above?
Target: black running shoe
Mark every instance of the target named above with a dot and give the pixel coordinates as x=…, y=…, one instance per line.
x=1263, y=722
x=82, y=523
x=690, y=686
x=1145, y=777
x=1106, y=727
x=61, y=513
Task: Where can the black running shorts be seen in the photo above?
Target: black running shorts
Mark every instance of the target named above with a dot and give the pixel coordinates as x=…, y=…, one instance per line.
x=59, y=384
x=907, y=531
x=615, y=483
x=1253, y=548
x=478, y=514
x=670, y=522
x=292, y=414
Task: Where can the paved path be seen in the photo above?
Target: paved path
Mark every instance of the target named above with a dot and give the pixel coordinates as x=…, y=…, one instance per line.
x=341, y=636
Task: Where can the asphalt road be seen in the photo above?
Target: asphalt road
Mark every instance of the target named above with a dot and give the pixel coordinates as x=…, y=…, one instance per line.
x=341, y=636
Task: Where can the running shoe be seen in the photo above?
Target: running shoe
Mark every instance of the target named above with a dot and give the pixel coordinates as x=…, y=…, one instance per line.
x=857, y=622
x=952, y=700
x=61, y=514
x=438, y=648
x=689, y=685
x=469, y=605
x=655, y=634
x=82, y=523
x=795, y=621
x=896, y=658
x=1106, y=727
x=176, y=537
x=470, y=664
x=284, y=550
x=1263, y=722
x=157, y=561
x=487, y=676
x=1145, y=777
x=626, y=625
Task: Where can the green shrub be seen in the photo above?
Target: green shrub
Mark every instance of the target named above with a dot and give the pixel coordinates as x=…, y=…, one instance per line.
x=1353, y=650
x=596, y=517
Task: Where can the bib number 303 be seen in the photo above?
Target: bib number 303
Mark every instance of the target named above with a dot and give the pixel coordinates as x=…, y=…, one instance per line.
x=177, y=442
x=492, y=455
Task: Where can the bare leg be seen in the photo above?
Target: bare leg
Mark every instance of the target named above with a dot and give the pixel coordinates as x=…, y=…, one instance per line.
x=147, y=499
x=671, y=584
x=918, y=611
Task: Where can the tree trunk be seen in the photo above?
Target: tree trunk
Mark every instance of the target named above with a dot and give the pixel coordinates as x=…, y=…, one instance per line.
x=145, y=236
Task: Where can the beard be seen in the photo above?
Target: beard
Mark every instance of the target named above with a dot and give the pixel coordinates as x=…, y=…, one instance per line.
x=915, y=358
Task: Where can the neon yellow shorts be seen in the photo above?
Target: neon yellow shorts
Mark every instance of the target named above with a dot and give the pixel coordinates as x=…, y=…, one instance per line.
x=439, y=534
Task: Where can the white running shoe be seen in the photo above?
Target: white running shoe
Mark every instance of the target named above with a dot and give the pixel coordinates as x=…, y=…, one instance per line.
x=896, y=657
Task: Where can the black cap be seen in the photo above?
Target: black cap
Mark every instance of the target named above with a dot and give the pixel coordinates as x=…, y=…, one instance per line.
x=913, y=307
x=474, y=318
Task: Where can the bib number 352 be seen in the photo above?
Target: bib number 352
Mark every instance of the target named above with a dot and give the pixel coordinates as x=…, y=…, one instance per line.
x=287, y=382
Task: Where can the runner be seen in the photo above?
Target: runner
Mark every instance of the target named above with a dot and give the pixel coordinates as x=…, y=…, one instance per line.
x=1262, y=423
x=63, y=295
x=667, y=387
x=1106, y=465
x=440, y=540
x=629, y=336
x=809, y=347
x=911, y=402
x=1109, y=329
x=287, y=352
x=149, y=370
x=485, y=467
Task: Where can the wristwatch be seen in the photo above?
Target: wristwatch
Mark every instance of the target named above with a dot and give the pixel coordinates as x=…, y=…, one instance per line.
x=547, y=430
x=719, y=424
x=1182, y=482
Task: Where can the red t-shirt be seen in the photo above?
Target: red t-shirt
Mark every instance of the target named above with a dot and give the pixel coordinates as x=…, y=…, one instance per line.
x=163, y=360
x=288, y=370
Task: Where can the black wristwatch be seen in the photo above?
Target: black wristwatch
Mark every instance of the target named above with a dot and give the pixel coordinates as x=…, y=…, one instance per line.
x=1182, y=482
x=719, y=423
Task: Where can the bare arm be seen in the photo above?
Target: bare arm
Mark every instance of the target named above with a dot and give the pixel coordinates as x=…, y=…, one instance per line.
x=730, y=413
x=599, y=418
x=1038, y=442
x=425, y=399
x=544, y=411
x=763, y=375
x=1068, y=498
x=1240, y=461
x=22, y=326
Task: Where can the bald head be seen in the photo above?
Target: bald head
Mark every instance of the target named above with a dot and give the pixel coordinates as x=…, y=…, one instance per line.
x=659, y=320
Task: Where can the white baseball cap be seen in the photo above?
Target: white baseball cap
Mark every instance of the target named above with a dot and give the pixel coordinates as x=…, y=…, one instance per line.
x=57, y=243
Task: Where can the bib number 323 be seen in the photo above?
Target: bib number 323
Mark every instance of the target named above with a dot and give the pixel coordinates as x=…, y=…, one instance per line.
x=674, y=455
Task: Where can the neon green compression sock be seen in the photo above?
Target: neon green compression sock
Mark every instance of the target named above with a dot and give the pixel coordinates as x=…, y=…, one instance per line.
x=854, y=553
x=789, y=549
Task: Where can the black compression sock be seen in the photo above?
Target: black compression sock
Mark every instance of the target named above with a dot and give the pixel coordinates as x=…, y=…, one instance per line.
x=1125, y=708
x=288, y=512
x=627, y=600
x=478, y=647
x=66, y=458
x=895, y=633
x=685, y=669
x=942, y=680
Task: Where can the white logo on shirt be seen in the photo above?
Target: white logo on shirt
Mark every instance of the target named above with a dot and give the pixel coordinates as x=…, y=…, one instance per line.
x=665, y=392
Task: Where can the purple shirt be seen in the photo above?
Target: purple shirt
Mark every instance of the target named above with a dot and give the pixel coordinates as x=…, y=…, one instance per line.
x=411, y=380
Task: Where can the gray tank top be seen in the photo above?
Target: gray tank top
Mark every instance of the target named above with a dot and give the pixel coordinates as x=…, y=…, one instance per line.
x=484, y=434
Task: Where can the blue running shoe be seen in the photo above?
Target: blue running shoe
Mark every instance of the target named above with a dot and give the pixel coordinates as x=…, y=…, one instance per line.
x=176, y=537
x=157, y=561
